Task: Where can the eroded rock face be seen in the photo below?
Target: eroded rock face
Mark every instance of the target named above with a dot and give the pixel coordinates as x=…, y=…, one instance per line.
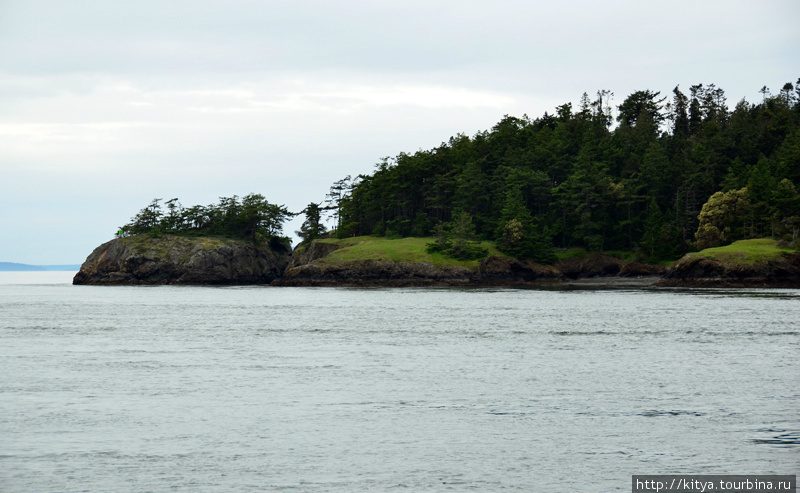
x=594, y=265
x=315, y=251
x=375, y=273
x=503, y=270
x=700, y=271
x=639, y=269
x=307, y=269
x=181, y=260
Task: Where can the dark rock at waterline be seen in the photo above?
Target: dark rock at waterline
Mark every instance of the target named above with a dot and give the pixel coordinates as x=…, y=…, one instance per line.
x=700, y=271
x=639, y=269
x=181, y=260
x=375, y=273
x=503, y=270
x=184, y=260
x=307, y=270
x=593, y=265
x=600, y=265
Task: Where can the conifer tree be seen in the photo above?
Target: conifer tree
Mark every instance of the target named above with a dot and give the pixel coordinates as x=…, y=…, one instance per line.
x=312, y=228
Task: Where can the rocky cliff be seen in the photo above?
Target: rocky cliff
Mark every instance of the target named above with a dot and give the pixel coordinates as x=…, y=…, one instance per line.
x=309, y=268
x=375, y=273
x=181, y=260
x=184, y=260
x=311, y=253
x=695, y=270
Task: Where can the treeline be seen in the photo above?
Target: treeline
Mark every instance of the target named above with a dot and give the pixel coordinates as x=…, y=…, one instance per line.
x=251, y=217
x=581, y=178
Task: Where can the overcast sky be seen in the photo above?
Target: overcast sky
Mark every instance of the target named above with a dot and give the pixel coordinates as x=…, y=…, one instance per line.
x=105, y=105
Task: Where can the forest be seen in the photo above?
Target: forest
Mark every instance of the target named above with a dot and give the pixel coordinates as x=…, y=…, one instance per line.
x=657, y=175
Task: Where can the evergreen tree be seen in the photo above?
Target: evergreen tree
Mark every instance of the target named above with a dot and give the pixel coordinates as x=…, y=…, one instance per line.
x=679, y=114
x=639, y=103
x=312, y=228
x=518, y=234
x=246, y=219
x=575, y=181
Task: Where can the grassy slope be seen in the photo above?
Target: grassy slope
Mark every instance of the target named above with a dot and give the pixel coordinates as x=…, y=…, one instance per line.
x=746, y=252
x=400, y=250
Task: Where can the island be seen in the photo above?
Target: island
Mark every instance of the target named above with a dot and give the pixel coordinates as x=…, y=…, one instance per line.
x=680, y=192
x=381, y=262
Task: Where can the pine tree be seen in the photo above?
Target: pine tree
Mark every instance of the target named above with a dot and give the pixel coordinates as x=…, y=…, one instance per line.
x=312, y=228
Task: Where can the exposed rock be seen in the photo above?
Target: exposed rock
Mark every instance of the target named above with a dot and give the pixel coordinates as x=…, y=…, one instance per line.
x=181, y=260
x=375, y=273
x=504, y=270
x=184, y=260
x=639, y=269
x=700, y=271
x=308, y=268
x=696, y=267
x=307, y=254
x=593, y=265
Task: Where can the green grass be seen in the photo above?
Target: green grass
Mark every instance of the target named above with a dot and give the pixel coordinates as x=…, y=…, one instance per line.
x=746, y=251
x=398, y=250
x=571, y=253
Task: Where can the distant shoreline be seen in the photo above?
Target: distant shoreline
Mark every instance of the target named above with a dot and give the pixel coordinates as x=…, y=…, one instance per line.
x=15, y=267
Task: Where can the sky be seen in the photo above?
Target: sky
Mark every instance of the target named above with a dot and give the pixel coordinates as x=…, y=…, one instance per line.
x=107, y=105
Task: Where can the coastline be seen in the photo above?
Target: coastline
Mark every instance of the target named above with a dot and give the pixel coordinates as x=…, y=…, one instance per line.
x=365, y=262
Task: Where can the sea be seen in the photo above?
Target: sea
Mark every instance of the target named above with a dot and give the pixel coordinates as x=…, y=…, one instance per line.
x=262, y=389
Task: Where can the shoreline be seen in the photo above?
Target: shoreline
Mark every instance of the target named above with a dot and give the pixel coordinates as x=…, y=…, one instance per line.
x=209, y=261
x=592, y=283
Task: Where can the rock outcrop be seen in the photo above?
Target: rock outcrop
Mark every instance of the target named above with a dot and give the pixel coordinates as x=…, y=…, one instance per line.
x=169, y=259
x=375, y=273
x=308, y=268
x=510, y=271
x=695, y=270
x=593, y=265
x=181, y=260
x=307, y=254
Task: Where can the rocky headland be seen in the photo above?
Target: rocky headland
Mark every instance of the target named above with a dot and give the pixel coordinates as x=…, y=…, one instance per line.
x=310, y=266
x=773, y=267
x=735, y=271
x=144, y=259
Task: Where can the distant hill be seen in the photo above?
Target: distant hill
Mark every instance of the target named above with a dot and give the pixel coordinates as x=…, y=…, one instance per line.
x=11, y=266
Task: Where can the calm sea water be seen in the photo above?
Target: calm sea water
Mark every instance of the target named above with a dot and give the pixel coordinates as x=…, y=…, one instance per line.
x=203, y=389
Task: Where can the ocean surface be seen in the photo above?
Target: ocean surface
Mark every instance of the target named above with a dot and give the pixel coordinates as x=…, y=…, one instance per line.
x=251, y=389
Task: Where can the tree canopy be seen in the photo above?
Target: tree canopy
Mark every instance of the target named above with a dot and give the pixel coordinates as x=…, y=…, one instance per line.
x=572, y=179
x=247, y=217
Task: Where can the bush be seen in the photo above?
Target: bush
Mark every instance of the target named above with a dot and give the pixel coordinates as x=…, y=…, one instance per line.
x=458, y=250
x=456, y=243
x=524, y=242
x=467, y=251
